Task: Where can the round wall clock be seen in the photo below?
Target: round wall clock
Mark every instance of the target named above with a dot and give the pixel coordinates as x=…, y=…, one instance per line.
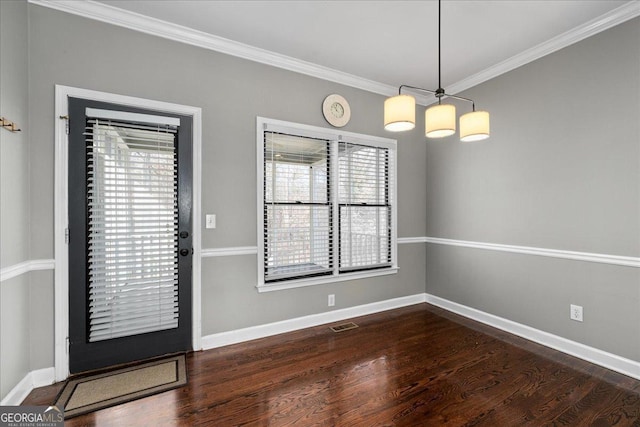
x=336, y=110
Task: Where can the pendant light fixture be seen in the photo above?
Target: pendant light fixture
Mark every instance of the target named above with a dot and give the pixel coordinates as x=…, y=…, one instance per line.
x=440, y=119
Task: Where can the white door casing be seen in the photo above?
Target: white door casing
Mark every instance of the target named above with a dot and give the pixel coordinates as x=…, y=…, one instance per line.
x=61, y=276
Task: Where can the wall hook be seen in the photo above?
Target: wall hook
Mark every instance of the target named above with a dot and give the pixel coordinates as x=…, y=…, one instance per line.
x=9, y=125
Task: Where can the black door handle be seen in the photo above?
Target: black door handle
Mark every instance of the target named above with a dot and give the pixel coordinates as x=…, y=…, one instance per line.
x=184, y=252
x=184, y=234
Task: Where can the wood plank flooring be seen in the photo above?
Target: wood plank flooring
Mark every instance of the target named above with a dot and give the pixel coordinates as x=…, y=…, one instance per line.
x=415, y=366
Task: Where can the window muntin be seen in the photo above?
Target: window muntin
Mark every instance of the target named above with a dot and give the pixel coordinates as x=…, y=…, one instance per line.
x=327, y=205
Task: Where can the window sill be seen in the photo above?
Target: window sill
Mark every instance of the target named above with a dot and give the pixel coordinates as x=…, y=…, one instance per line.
x=279, y=286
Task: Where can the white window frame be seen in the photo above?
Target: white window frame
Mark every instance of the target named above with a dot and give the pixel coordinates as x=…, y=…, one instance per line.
x=271, y=125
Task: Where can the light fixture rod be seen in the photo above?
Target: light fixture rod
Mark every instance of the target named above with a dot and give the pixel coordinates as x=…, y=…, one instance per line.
x=440, y=120
x=438, y=93
x=439, y=61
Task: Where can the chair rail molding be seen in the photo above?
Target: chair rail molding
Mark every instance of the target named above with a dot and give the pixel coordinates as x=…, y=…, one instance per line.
x=230, y=251
x=625, y=261
x=253, y=250
x=16, y=270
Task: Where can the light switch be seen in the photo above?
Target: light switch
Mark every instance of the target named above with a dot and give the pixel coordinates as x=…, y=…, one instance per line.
x=210, y=221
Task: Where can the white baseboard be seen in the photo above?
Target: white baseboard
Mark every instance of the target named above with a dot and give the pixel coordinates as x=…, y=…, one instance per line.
x=631, y=368
x=611, y=361
x=33, y=379
x=269, y=329
x=605, y=359
x=43, y=377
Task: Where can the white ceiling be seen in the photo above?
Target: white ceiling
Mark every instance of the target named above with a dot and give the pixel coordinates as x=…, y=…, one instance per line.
x=390, y=42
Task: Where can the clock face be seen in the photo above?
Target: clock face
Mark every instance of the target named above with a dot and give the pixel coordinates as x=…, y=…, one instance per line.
x=336, y=110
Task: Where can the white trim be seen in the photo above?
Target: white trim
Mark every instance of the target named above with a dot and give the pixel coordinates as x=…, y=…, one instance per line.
x=253, y=250
x=334, y=136
x=610, y=19
x=611, y=361
x=43, y=377
x=260, y=196
x=156, y=27
x=233, y=251
x=61, y=356
x=61, y=253
x=405, y=240
x=19, y=392
x=269, y=329
x=42, y=264
x=196, y=224
x=137, y=22
x=33, y=379
x=552, y=253
x=132, y=117
x=25, y=267
x=590, y=354
x=342, y=277
x=299, y=129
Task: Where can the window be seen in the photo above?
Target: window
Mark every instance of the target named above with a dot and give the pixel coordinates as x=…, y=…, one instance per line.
x=132, y=224
x=327, y=205
x=365, y=206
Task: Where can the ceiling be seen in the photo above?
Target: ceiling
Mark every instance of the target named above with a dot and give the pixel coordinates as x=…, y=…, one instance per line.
x=389, y=42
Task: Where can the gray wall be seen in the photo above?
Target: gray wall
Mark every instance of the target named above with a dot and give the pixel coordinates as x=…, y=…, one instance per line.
x=553, y=175
x=561, y=171
x=69, y=50
x=14, y=195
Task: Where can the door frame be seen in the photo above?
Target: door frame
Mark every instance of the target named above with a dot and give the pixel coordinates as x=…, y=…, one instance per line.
x=61, y=217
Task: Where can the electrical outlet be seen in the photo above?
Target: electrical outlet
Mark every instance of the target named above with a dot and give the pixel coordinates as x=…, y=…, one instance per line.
x=576, y=313
x=331, y=300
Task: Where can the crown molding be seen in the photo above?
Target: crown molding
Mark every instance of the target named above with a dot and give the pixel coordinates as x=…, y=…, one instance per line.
x=610, y=19
x=148, y=25
x=137, y=22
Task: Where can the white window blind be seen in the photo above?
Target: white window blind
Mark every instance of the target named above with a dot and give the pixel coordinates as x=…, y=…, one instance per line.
x=327, y=205
x=365, y=206
x=297, y=211
x=132, y=228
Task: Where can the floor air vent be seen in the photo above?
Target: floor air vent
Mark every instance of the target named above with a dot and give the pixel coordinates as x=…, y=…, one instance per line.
x=344, y=327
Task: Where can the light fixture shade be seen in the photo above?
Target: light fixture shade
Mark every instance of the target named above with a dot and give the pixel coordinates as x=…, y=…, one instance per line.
x=400, y=113
x=440, y=121
x=474, y=126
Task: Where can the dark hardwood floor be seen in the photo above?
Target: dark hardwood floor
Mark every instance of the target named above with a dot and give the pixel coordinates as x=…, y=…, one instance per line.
x=415, y=366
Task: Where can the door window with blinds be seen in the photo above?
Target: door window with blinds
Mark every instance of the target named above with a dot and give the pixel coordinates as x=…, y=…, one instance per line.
x=326, y=205
x=132, y=226
x=129, y=233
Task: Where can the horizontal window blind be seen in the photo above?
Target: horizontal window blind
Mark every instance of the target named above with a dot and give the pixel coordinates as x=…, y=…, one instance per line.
x=297, y=211
x=132, y=264
x=364, y=176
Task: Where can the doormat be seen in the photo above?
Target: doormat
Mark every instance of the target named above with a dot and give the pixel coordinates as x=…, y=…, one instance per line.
x=83, y=395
